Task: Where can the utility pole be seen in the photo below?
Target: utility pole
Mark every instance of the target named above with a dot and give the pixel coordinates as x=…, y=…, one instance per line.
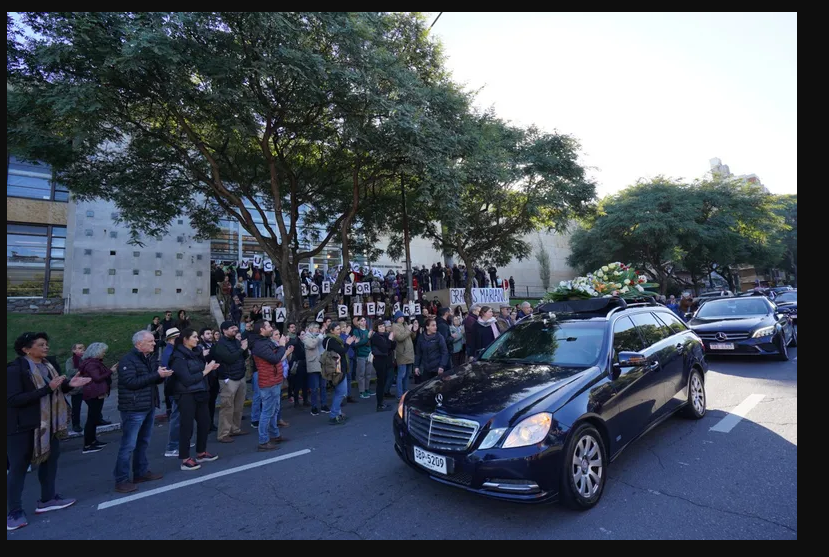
x=409, y=284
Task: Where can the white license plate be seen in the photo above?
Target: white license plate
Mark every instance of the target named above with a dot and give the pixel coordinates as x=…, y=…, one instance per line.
x=722, y=346
x=430, y=461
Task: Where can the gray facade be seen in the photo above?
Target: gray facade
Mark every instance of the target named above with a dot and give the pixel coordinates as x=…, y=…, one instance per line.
x=103, y=271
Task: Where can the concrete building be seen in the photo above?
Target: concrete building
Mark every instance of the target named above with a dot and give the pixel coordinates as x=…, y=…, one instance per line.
x=718, y=169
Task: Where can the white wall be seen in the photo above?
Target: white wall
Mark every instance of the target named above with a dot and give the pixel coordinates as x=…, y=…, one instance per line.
x=89, y=261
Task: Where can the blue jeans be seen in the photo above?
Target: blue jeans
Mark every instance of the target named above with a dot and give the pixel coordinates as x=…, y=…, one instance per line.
x=136, y=430
x=403, y=371
x=256, y=406
x=340, y=392
x=316, y=382
x=271, y=402
x=257, y=288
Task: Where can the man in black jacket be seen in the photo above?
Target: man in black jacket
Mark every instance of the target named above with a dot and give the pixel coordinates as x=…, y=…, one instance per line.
x=232, y=355
x=444, y=321
x=138, y=378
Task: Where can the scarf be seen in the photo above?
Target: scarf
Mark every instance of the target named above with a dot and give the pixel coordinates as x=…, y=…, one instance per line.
x=54, y=414
x=493, y=323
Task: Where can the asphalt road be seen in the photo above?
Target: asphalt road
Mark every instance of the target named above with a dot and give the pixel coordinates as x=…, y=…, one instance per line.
x=684, y=480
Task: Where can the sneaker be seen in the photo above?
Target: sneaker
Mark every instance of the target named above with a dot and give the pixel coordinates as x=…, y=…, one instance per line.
x=77, y=429
x=364, y=395
x=148, y=477
x=267, y=447
x=290, y=400
x=171, y=454
x=315, y=411
x=126, y=487
x=206, y=457
x=339, y=420
x=383, y=408
x=89, y=449
x=15, y=521
x=100, y=443
x=325, y=409
x=254, y=424
x=190, y=465
x=57, y=503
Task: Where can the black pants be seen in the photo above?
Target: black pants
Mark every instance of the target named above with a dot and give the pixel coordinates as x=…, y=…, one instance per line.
x=19, y=448
x=299, y=382
x=458, y=358
x=193, y=406
x=381, y=367
x=77, y=403
x=94, y=416
x=213, y=381
x=389, y=377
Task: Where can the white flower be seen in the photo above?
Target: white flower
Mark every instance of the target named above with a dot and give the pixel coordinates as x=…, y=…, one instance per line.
x=639, y=288
x=625, y=290
x=627, y=281
x=605, y=268
x=563, y=283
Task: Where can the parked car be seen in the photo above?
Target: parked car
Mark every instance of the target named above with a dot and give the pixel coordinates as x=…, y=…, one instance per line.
x=788, y=300
x=553, y=401
x=745, y=326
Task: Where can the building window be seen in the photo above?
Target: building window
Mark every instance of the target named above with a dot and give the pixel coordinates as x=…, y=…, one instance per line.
x=179, y=273
x=199, y=273
x=135, y=271
x=90, y=214
x=33, y=181
x=198, y=290
x=87, y=271
x=85, y=291
x=87, y=252
x=136, y=254
x=158, y=255
x=87, y=232
x=112, y=252
x=110, y=291
x=180, y=221
x=199, y=257
x=179, y=256
x=178, y=290
x=34, y=260
x=112, y=271
x=180, y=239
x=158, y=273
x=113, y=234
x=135, y=291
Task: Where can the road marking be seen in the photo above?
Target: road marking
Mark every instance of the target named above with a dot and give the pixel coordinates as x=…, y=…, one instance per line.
x=173, y=487
x=736, y=416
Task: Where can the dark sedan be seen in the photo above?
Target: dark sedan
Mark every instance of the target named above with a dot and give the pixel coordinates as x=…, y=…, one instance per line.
x=745, y=326
x=553, y=401
x=788, y=301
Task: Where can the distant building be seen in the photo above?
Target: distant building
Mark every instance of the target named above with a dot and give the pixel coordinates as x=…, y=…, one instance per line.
x=718, y=169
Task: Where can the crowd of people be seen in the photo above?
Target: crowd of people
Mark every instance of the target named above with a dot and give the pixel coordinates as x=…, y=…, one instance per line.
x=193, y=370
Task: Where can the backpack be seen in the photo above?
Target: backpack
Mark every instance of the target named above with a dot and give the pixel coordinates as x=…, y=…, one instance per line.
x=330, y=367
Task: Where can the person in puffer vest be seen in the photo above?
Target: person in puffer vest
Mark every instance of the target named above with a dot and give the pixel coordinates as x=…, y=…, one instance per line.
x=267, y=357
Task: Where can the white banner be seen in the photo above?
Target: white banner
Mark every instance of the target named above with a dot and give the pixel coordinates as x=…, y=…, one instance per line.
x=342, y=312
x=479, y=296
x=280, y=315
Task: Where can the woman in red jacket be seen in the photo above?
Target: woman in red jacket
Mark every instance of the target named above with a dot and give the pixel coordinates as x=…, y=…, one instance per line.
x=94, y=393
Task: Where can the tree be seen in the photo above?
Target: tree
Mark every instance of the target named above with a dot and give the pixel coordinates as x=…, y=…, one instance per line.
x=288, y=122
x=787, y=209
x=543, y=258
x=512, y=182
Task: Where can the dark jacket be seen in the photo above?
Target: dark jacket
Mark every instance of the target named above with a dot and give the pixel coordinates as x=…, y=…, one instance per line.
x=298, y=354
x=268, y=360
x=381, y=345
x=443, y=330
x=336, y=345
x=138, y=381
x=469, y=324
x=431, y=353
x=99, y=373
x=228, y=352
x=22, y=399
x=482, y=337
x=188, y=366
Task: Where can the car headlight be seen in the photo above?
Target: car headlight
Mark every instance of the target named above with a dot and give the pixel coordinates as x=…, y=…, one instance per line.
x=764, y=332
x=400, y=406
x=492, y=438
x=529, y=431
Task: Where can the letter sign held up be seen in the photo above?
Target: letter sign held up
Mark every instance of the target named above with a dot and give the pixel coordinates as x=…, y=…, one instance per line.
x=342, y=312
x=321, y=316
x=348, y=289
x=303, y=289
x=280, y=315
x=371, y=309
x=326, y=287
x=358, y=309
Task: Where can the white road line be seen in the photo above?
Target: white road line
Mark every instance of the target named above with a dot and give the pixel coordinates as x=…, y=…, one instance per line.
x=736, y=416
x=173, y=487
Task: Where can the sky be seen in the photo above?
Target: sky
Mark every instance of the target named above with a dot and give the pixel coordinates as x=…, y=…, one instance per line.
x=645, y=94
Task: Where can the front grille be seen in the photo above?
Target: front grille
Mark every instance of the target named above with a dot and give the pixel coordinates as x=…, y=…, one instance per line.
x=461, y=478
x=735, y=335
x=435, y=431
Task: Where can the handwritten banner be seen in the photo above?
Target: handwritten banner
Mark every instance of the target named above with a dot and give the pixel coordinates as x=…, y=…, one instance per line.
x=479, y=296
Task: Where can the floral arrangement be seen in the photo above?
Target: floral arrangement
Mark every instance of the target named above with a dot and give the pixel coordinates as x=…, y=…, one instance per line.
x=613, y=279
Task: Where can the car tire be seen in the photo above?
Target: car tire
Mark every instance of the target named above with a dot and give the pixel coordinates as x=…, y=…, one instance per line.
x=783, y=350
x=582, y=482
x=697, y=404
x=793, y=342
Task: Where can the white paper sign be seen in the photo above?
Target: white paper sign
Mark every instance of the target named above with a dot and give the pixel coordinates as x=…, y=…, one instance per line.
x=371, y=309
x=342, y=312
x=321, y=316
x=417, y=309
x=355, y=267
x=281, y=313
x=412, y=309
x=267, y=313
x=257, y=261
x=358, y=309
x=303, y=289
x=243, y=264
x=377, y=273
x=480, y=296
x=381, y=308
x=315, y=290
x=326, y=287
x=396, y=307
x=280, y=291
x=407, y=310
x=348, y=289
x=268, y=265
x=363, y=288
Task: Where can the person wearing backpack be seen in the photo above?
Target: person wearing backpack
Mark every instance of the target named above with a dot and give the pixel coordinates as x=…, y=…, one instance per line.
x=335, y=368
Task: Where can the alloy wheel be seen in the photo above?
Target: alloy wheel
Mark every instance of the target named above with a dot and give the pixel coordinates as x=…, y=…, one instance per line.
x=587, y=467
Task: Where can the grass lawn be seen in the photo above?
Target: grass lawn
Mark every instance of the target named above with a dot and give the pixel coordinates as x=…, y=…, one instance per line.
x=114, y=329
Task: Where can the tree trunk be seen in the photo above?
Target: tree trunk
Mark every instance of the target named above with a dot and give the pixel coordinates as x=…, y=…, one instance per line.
x=291, y=289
